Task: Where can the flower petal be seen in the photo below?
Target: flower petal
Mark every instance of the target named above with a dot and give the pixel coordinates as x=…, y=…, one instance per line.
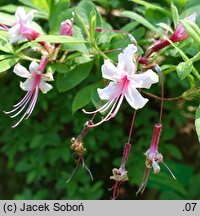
x=125, y=59
x=33, y=67
x=14, y=30
x=144, y=80
x=20, y=14
x=134, y=98
x=47, y=76
x=45, y=87
x=21, y=71
x=30, y=15
x=27, y=85
x=109, y=92
x=109, y=71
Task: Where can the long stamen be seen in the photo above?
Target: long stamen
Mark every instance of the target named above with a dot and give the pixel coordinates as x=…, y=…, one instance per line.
x=23, y=99
x=24, y=105
x=107, y=116
x=33, y=102
x=29, y=108
x=74, y=170
x=101, y=109
x=20, y=104
x=144, y=181
x=88, y=170
x=169, y=170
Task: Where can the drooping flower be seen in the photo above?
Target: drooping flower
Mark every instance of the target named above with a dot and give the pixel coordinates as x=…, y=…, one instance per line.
x=124, y=83
x=153, y=157
x=36, y=81
x=21, y=29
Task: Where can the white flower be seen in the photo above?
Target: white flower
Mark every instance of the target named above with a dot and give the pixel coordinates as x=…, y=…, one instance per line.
x=35, y=80
x=21, y=30
x=124, y=83
x=34, y=77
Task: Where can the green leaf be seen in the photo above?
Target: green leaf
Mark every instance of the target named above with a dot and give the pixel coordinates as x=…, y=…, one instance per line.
x=92, y=23
x=151, y=6
x=42, y=4
x=141, y=20
x=165, y=26
x=194, y=26
x=174, y=151
x=75, y=76
x=5, y=46
x=83, y=97
x=2, y=57
x=60, y=68
x=77, y=47
x=175, y=15
x=189, y=28
x=184, y=69
x=60, y=39
x=197, y=122
x=7, y=63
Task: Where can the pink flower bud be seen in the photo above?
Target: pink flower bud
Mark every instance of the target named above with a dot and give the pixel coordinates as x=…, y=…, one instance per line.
x=180, y=33
x=67, y=28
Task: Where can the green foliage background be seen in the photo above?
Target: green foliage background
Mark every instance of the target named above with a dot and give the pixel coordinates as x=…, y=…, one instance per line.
x=35, y=158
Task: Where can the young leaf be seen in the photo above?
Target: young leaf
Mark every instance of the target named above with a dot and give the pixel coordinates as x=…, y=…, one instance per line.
x=60, y=39
x=184, y=69
x=7, y=63
x=75, y=76
x=197, y=122
x=175, y=15
x=92, y=24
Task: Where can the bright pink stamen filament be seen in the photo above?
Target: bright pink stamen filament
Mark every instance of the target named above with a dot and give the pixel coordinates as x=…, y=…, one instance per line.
x=117, y=98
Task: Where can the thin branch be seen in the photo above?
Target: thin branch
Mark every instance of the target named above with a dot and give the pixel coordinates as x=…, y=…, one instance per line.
x=160, y=98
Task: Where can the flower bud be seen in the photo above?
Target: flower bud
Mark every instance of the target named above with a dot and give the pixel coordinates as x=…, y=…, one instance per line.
x=67, y=28
x=180, y=33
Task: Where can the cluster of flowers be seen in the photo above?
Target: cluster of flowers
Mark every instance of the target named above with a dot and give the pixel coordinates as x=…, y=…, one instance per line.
x=125, y=81
x=36, y=78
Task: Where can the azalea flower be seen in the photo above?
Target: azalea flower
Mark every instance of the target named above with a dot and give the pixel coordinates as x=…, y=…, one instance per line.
x=153, y=157
x=36, y=81
x=124, y=83
x=21, y=29
x=178, y=35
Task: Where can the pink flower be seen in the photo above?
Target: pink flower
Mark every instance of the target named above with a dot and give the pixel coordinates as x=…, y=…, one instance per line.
x=21, y=30
x=35, y=80
x=67, y=28
x=153, y=157
x=180, y=33
x=124, y=83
